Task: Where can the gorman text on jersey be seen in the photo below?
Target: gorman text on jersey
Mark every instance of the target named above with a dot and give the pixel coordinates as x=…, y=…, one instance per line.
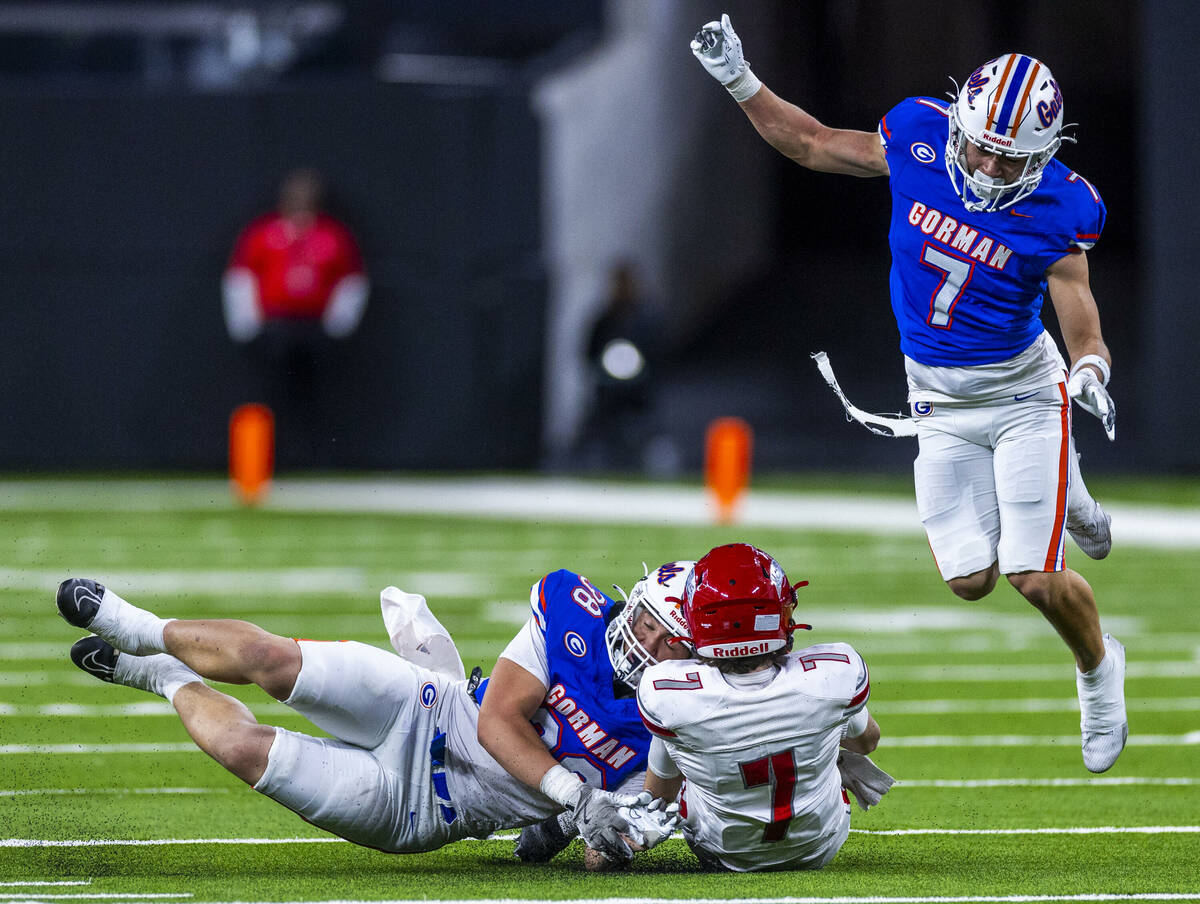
x=947, y=230
x=591, y=735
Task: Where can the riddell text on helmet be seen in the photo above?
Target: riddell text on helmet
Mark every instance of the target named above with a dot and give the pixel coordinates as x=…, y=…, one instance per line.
x=749, y=649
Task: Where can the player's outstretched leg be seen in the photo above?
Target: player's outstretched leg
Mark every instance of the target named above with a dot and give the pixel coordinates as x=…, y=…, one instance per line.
x=1066, y=600
x=160, y=674
x=227, y=650
x=1087, y=523
x=220, y=725
x=1102, y=719
x=89, y=604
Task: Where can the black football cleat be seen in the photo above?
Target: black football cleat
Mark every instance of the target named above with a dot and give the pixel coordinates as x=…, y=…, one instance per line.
x=79, y=600
x=541, y=841
x=95, y=656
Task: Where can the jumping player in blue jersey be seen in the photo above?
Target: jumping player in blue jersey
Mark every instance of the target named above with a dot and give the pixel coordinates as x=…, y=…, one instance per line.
x=420, y=755
x=984, y=223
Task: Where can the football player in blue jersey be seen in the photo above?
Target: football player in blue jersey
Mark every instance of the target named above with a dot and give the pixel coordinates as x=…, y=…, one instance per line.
x=984, y=223
x=419, y=756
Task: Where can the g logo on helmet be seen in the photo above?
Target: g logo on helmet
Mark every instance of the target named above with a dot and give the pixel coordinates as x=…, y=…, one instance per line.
x=428, y=694
x=923, y=152
x=575, y=644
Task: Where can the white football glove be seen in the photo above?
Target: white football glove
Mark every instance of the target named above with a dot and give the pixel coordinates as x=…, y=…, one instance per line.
x=862, y=778
x=719, y=50
x=650, y=821
x=1089, y=393
x=598, y=815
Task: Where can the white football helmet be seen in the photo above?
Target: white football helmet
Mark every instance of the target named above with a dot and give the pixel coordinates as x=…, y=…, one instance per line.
x=1010, y=106
x=660, y=593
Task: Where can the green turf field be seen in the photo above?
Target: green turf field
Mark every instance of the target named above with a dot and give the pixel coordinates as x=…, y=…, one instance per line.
x=976, y=702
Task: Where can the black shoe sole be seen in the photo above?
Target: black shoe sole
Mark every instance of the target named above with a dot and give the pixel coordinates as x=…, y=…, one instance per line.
x=79, y=600
x=96, y=657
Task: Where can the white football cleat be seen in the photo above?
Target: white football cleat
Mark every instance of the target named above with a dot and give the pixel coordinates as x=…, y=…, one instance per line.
x=1102, y=721
x=1087, y=523
x=1093, y=535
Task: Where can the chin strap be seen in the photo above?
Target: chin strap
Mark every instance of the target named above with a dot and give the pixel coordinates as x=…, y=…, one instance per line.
x=882, y=424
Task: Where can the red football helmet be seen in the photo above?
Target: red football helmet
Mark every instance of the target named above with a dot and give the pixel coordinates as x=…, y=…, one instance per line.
x=737, y=602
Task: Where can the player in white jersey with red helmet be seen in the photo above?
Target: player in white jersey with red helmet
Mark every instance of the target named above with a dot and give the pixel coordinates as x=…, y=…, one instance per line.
x=762, y=740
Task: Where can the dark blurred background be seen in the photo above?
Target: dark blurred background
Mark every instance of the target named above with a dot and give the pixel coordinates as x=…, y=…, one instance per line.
x=497, y=162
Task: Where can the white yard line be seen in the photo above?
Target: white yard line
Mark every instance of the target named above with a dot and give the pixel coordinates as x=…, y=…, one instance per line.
x=1028, y=705
x=1098, y=782
x=882, y=706
x=93, y=896
x=327, y=839
x=1054, y=830
x=159, y=842
x=1015, y=740
x=841, y=899
x=53, y=749
x=552, y=500
x=206, y=581
x=1182, y=668
x=892, y=741
x=39, y=884
x=71, y=792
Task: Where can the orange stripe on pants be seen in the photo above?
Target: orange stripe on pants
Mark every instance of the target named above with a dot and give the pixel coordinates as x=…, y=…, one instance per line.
x=1060, y=513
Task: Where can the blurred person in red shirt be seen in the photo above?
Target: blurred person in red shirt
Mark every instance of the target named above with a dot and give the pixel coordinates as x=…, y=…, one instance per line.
x=295, y=283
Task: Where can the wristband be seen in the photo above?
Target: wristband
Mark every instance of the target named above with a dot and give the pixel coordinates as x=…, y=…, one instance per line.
x=1097, y=362
x=744, y=87
x=562, y=786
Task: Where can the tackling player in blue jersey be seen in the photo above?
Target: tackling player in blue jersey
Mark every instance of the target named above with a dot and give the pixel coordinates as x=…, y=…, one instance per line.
x=984, y=223
x=420, y=755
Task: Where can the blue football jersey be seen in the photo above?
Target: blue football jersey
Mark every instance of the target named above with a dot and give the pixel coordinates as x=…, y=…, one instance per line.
x=584, y=724
x=967, y=287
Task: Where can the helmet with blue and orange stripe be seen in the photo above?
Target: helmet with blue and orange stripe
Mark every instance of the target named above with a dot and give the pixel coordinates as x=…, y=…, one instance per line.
x=1011, y=107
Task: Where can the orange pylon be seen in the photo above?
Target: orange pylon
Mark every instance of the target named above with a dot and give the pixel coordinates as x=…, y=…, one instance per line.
x=728, y=446
x=251, y=452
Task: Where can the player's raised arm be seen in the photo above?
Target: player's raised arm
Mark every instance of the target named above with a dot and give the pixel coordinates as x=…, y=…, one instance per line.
x=787, y=128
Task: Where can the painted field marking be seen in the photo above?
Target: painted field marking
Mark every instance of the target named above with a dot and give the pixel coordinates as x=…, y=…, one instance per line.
x=159, y=842
x=1054, y=830
x=328, y=839
x=70, y=792
x=1097, y=782
x=950, y=674
x=91, y=896
x=1102, y=782
x=60, y=882
x=893, y=741
x=1028, y=705
x=1135, y=740
x=549, y=500
x=888, y=707
x=256, y=582
x=52, y=749
x=911, y=899
x=149, y=708
x=1009, y=673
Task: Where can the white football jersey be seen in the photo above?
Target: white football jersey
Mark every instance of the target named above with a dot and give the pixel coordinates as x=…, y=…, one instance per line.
x=762, y=788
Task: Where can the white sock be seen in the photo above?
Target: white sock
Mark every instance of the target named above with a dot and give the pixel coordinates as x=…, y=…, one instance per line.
x=1093, y=678
x=160, y=674
x=172, y=682
x=128, y=628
